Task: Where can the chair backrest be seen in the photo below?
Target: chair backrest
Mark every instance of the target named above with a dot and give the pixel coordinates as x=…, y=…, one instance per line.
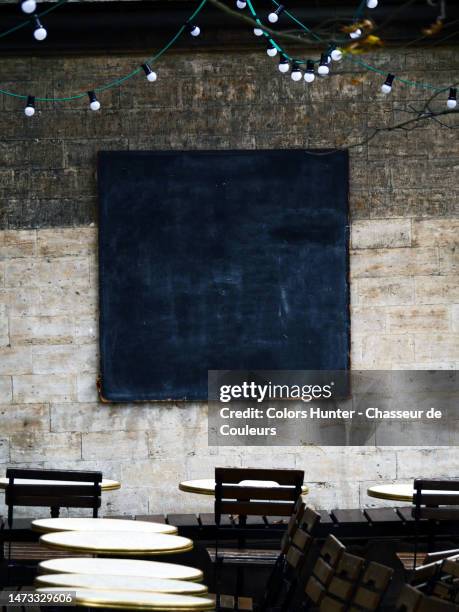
x=324, y=569
x=412, y=600
x=54, y=496
x=251, y=500
x=343, y=584
x=445, y=584
x=432, y=502
x=371, y=588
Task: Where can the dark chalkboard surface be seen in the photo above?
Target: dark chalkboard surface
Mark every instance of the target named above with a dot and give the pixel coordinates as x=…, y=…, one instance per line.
x=222, y=260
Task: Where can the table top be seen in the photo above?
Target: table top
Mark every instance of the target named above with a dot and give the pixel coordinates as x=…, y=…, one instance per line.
x=116, y=542
x=100, y=524
x=120, y=567
x=206, y=486
x=398, y=492
x=106, y=485
x=108, y=582
x=136, y=600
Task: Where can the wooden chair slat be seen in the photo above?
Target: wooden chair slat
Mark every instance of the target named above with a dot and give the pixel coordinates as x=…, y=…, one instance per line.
x=182, y=520
x=70, y=475
x=255, y=508
x=436, y=484
x=244, y=493
x=151, y=518
x=329, y=604
x=382, y=515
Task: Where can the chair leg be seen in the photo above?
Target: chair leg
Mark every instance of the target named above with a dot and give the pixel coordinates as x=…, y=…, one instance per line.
x=416, y=538
x=216, y=577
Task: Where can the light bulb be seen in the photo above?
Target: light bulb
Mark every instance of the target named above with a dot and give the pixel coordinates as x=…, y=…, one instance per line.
x=241, y=4
x=151, y=76
x=323, y=68
x=386, y=87
x=29, y=110
x=337, y=55
x=94, y=103
x=451, y=103
x=274, y=16
x=28, y=6
x=296, y=73
x=371, y=4
x=39, y=33
x=258, y=31
x=309, y=75
x=284, y=65
x=355, y=33
x=271, y=51
x=195, y=30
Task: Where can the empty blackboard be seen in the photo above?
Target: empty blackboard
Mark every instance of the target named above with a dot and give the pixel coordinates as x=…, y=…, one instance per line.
x=220, y=260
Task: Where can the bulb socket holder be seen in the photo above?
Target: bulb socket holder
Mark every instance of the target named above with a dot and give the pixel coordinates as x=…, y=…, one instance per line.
x=452, y=93
x=147, y=68
x=389, y=80
x=310, y=66
x=30, y=101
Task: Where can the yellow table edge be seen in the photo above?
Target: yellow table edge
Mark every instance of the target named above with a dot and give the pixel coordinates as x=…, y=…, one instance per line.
x=389, y=496
x=118, y=551
x=39, y=529
x=187, y=488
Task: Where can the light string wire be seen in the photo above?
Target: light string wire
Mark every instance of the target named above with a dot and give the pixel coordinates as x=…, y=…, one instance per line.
x=356, y=60
x=121, y=80
x=29, y=21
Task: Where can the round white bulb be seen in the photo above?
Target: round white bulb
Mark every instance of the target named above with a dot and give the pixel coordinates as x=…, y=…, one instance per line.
x=241, y=4
x=386, y=88
x=196, y=31
x=451, y=104
x=273, y=17
x=356, y=33
x=152, y=76
x=284, y=67
x=94, y=105
x=28, y=6
x=309, y=77
x=323, y=70
x=29, y=111
x=337, y=55
x=296, y=75
x=258, y=31
x=271, y=51
x=371, y=4
x=40, y=33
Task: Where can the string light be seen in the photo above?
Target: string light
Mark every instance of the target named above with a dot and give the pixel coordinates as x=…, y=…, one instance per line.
x=271, y=51
x=258, y=31
x=296, y=72
x=357, y=33
x=451, y=103
x=323, y=68
x=309, y=75
x=94, y=103
x=193, y=29
x=28, y=6
x=39, y=32
x=149, y=73
x=371, y=4
x=386, y=87
x=29, y=109
x=240, y=4
x=336, y=54
x=274, y=16
x=284, y=64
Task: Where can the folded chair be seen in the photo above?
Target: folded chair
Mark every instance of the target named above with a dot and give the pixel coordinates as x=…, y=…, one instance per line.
x=412, y=600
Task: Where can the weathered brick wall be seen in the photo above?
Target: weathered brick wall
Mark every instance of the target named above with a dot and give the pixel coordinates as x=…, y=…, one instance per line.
x=404, y=262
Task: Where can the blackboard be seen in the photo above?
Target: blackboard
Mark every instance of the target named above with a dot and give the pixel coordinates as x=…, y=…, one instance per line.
x=220, y=260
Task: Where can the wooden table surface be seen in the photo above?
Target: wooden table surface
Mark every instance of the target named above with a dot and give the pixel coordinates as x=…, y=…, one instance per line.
x=124, y=543
x=206, y=486
x=398, y=492
x=51, y=525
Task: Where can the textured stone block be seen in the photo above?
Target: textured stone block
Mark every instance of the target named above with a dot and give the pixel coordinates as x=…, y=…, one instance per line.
x=29, y=272
x=86, y=329
x=61, y=242
x=418, y=319
x=17, y=244
x=64, y=359
x=42, y=446
x=87, y=387
x=394, y=262
x=15, y=360
x=42, y=330
x=377, y=234
x=437, y=289
x=6, y=389
x=55, y=301
x=436, y=232
x=36, y=388
x=365, y=320
x=115, y=444
x=381, y=351
x=431, y=463
x=4, y=326
x=20, y=302
x=449, y=260
x=23, y=418
x=435, y=347
x=395, y=291
x=455, y=317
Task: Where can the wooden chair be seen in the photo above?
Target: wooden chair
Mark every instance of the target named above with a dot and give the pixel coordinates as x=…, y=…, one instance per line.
x=371, y=588
x=243, y=501
x=412, y=600
x=295, y=546
x=340, y=589
x=323, y=570
x=433, y=504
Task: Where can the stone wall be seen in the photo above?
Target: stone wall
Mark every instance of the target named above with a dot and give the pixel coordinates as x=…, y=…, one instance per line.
x=404, y=259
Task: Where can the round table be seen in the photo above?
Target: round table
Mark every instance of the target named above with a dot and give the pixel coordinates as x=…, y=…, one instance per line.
x=100, y=524
x=126, y=543
x=206, y=486
x=106, y=582
x=136, y=600
x=120, y=567
x=106, y=485
x=398, y=492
